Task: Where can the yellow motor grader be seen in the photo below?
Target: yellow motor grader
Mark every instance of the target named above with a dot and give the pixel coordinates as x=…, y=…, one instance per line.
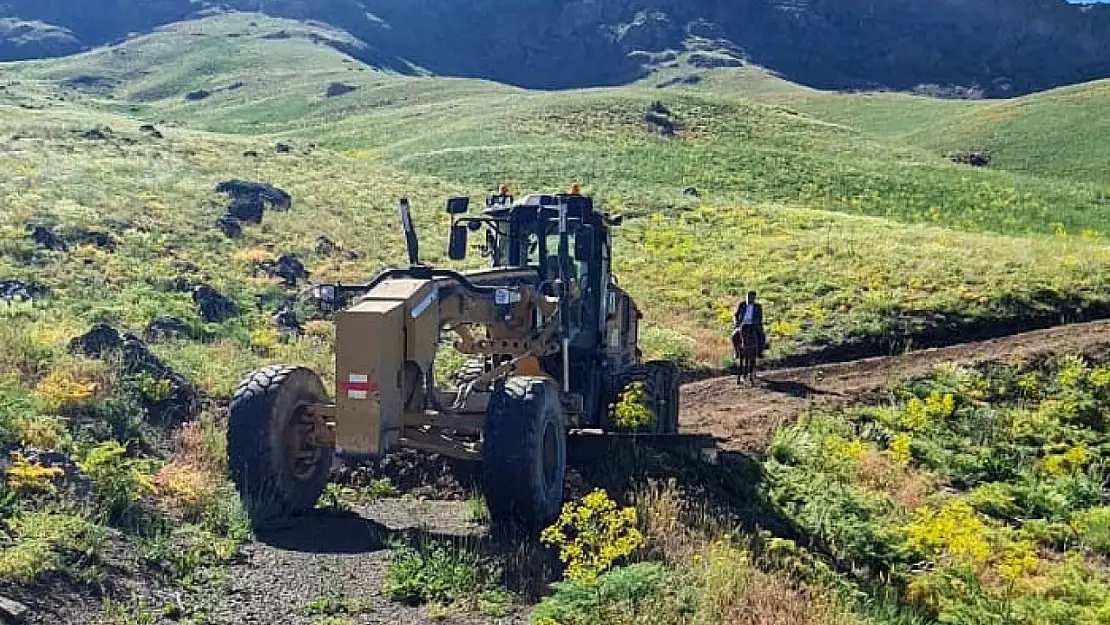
x=551, y=340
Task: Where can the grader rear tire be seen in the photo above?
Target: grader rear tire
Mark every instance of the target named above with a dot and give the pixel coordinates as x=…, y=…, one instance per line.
x=524, y=453
x=277, y=471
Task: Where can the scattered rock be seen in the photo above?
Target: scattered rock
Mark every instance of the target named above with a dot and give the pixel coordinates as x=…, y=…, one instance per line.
x=325, y=246
x=16, y=291
x=230, y=226
x=275, y=197
x=214, y=306
x=246, y=209
x=235, y=85
x=289, y=268
x=974, y=159
x=250, y=154
x=659, y=108
x=283, y=148
x=281, y=34
x=713, y=61
x=166, y=327
x=199, y=94
x=82, y=236
x=12, y=611
x=179, y=404
x=657, y=119
x=100, y=133
x=689, y=79
x=151, y=131
x=285, y=318
x=46, y=237
x=691, y=191
x=337, y=89
x=181, y=285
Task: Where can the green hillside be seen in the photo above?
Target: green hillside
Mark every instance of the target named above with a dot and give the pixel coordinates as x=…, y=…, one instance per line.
x=842, y=210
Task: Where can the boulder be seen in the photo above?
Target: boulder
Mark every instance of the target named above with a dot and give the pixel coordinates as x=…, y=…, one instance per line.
x=336, y=89
x=17, y=291
x=282, y=148
x=266, y=193
x=230, y=226
x=325, y=246
x=199, y=94
x=214, y=306
x=165, y=327
x=100, y=133
x=289, y=268
x=690, y=191
x=151, y=131
x=974, y=159
x=246, y=209
x=96, y=238
x=285, y=318
x=183, y=400
x=47, y=238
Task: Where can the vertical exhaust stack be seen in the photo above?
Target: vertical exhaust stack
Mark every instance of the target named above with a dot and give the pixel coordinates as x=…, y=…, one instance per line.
x=411, y=243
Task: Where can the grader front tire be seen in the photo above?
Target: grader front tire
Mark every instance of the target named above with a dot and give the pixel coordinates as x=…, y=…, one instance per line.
x=271, y=459
x=660, y=380
x=524, y=453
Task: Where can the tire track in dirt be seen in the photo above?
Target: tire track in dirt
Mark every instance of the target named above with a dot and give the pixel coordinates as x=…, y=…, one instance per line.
x=743, y=417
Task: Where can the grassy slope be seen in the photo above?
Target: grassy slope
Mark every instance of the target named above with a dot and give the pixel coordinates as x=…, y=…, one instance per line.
x=430, y=137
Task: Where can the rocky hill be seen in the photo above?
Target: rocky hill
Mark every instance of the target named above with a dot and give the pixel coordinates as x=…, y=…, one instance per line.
x=992, y=47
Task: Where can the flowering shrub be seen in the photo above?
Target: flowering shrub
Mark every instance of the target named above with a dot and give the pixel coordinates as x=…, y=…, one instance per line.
x=24, y=476
x=953, y=531
x=58, y=391
x=631, y=411
x=900, y=449
x=591, y=534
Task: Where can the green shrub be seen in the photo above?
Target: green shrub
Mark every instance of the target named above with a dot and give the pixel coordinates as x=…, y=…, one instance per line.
x=43, y=541
x=621, y=595
x=119, y=483
x=443, y=574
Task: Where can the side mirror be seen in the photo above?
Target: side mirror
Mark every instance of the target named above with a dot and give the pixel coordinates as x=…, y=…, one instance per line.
x=456, y=242
x=458, y=205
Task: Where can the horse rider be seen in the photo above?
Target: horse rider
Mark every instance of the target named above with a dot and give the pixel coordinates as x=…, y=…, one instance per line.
x=749, y=312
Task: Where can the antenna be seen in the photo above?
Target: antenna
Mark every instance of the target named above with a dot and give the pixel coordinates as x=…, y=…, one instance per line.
x=410, y=233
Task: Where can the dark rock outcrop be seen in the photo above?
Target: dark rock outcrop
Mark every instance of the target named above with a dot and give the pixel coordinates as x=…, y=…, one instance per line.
x=214, y=306
x=199, y=94
x=325, y=246
x=266, y=193
x=230, y=226
x=337, y=89
x=46, y=237
x=285, y=318
x=165, y=327
x=974, y=159
x=289, y=268
x=19, y=291
x=178, y=405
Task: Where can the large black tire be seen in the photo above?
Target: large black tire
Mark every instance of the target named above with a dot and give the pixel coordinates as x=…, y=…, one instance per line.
x=265, y=412
x=660, y=379
x=524, y=454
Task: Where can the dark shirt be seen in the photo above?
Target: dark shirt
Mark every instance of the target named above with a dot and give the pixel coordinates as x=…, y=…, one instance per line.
x=742, y=309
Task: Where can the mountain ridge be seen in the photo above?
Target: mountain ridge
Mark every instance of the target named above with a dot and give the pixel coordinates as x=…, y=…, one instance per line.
x=991, y=48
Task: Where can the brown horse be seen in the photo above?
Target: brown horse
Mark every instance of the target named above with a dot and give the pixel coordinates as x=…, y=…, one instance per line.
x=745, y=349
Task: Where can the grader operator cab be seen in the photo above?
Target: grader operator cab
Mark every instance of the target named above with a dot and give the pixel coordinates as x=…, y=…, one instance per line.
x=551, y=340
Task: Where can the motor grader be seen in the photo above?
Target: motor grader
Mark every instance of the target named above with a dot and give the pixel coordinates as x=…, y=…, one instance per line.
x=551, y=340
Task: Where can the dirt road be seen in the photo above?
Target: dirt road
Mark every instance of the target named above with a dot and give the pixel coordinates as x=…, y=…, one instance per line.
x=744, y=417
